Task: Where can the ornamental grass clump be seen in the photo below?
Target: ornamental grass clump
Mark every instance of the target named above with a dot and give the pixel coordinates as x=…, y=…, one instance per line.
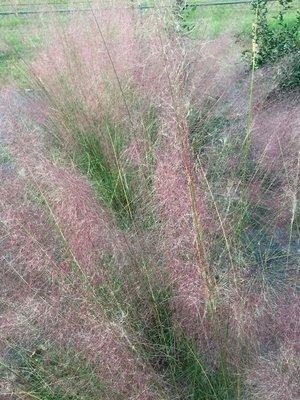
x=150, y=218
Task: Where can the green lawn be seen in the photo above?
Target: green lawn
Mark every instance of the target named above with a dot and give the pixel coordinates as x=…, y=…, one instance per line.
x=18, y=38
x=211, y=21
x=21, y=37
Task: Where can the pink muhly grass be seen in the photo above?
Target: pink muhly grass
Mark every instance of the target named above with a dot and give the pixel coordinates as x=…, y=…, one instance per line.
x=176, y=210
x=275, y=149
x=86, y=78
x=284, y=320
x=29, y=245
x=214, y=70
x=93, y=335
x=79, y=55
x=58, y=211
x=275, y=376
x=275, y=134
x=88, y=229
x=107, y=345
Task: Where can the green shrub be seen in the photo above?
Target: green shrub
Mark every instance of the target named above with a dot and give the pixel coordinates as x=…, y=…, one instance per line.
x=276, y=38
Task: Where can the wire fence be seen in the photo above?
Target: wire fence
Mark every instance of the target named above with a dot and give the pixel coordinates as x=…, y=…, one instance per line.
x=22, y=8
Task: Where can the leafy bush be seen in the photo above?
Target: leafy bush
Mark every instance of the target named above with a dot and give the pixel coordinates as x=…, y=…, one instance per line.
x=274, y=41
